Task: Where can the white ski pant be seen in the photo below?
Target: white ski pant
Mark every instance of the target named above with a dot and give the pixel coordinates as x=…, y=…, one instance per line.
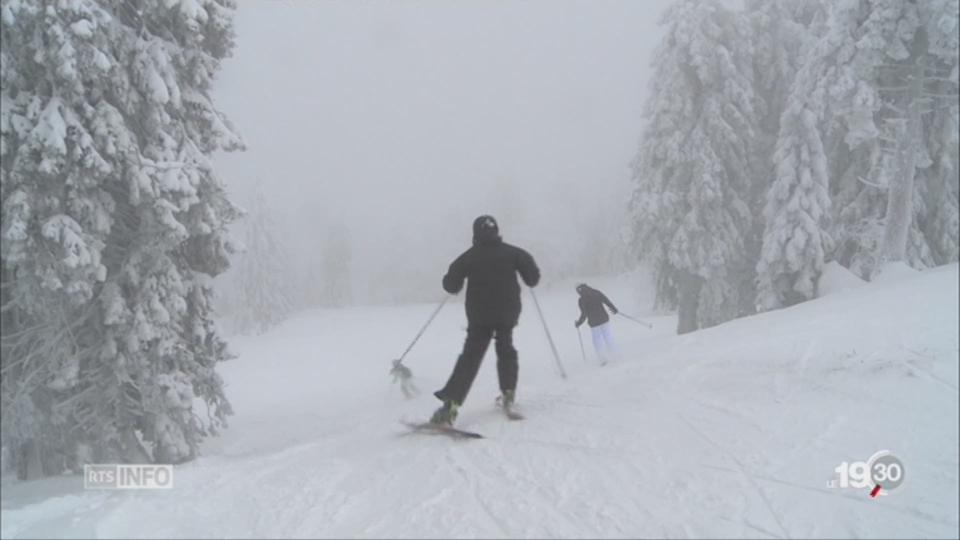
x=603, y=342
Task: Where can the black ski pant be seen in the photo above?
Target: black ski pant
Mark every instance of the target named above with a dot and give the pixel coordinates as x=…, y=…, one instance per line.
x=468, y=364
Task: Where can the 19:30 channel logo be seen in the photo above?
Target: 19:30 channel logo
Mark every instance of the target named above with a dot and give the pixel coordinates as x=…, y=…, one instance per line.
x=881, y=474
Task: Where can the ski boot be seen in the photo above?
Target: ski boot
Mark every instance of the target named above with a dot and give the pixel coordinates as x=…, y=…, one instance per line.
x=445, y=415
x=505, y=401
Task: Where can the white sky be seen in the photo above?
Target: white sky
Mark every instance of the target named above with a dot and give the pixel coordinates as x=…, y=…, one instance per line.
x=404, y=120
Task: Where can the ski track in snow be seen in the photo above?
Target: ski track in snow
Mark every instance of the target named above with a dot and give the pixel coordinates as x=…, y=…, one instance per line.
x=733, y=431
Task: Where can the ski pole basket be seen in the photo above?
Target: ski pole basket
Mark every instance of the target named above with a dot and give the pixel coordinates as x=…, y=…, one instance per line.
x=402, y=373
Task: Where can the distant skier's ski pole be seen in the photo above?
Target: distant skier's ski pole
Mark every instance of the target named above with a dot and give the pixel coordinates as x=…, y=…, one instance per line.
x=583, y=353
x=648, y=325
x=401, y=372
x=553, y=347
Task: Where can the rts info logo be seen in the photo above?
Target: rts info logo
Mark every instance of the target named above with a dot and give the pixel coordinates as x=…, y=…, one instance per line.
x=128, y=476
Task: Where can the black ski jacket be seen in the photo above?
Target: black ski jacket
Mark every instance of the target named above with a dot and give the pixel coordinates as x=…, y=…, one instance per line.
x=493, y=293
x=591, y=307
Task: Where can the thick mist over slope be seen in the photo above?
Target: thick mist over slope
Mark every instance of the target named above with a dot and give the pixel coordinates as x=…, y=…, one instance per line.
x=397, y=125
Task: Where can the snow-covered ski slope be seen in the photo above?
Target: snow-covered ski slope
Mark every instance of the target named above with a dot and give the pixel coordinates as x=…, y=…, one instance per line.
x=728, y=432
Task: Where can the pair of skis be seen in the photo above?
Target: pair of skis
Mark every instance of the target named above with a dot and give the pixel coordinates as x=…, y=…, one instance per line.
x=450, y=431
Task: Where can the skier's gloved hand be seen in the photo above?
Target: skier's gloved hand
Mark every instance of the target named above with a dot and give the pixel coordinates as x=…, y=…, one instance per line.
x=615, y=312
x=576, y=324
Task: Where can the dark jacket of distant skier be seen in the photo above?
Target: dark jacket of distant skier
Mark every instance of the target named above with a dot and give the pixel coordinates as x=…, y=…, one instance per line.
x=591, y=306
x=491, y=266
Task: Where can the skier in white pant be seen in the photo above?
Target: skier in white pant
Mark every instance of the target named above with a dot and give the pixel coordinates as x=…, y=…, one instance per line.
x=592, y=310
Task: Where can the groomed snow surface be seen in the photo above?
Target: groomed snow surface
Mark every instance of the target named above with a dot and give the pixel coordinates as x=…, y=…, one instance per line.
x=733, y=431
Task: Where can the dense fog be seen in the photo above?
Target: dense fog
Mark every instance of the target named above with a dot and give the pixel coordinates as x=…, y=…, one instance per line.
x=389, y=127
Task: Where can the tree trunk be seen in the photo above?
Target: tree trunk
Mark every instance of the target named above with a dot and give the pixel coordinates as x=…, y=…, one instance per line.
x=899, y=216
x=689, y=288
x=28, y=461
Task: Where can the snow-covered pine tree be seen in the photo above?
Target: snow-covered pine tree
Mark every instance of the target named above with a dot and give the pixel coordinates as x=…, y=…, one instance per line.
x=894, y=46
x=921, y=89
x=692, y=173
x=882, y=145
x=942, y=178
x=113, y=224
x=264, y=295
x=795, y=236
x=795, y=240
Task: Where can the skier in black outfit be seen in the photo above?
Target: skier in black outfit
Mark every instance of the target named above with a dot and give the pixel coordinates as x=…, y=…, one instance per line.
x=490, y=267
x=592, y=310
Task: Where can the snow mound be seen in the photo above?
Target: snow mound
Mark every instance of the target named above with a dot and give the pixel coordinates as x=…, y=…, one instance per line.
x=837, y=278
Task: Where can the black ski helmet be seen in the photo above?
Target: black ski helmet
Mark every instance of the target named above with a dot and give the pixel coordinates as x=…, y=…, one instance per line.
x=485, y=226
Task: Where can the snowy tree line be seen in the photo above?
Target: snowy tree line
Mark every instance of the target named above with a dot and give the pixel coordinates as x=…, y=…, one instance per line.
x=113, y=225
x=791, y=133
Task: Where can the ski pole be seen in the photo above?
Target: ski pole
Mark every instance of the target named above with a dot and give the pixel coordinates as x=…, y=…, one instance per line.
x=648, y=325
x=583, y=353
x=553, y=347
x=401, y=372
